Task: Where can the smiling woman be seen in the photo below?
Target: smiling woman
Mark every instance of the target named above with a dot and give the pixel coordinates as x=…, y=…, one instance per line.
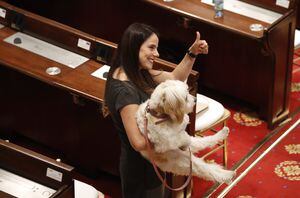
x=130, y=82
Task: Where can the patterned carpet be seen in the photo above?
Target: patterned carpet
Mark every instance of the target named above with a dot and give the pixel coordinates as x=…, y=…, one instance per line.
x=277, y=174
x=247, y=133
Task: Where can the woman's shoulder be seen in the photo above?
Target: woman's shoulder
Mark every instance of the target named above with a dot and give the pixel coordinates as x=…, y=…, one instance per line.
x=121, y=93
x=121, y=85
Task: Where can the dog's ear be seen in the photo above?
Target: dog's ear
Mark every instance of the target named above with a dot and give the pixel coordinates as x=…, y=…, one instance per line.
x=173, y=105
x=177, y=115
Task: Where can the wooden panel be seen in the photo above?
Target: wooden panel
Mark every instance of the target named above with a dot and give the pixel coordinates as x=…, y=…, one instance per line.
x=298, y=18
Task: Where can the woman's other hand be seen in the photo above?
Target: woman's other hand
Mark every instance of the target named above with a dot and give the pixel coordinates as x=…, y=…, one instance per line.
x=199, y=46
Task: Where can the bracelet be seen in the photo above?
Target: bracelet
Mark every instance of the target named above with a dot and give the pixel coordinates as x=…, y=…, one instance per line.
x=191, y=54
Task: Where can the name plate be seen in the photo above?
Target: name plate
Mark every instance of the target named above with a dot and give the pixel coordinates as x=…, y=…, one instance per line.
x=46, y=50
x=2, y=13
x=1, y=26
x=18, y=186
x=283, y=3
x=248, y=10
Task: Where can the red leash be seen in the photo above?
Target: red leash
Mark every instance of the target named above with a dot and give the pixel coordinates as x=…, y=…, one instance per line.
x=163, y=180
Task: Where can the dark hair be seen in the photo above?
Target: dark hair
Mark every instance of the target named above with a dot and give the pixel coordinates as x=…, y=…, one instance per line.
x=128, y=56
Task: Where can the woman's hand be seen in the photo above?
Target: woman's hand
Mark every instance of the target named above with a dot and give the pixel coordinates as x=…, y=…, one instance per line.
x=199, y=46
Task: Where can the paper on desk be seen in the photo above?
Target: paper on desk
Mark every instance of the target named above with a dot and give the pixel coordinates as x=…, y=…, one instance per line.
x=248, y=10
x=47, y=50
x=297, y=39
x=84, y=190
x=101, y=72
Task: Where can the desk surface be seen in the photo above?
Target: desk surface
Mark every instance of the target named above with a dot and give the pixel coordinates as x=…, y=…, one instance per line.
x=78, y=80
x=204, y=12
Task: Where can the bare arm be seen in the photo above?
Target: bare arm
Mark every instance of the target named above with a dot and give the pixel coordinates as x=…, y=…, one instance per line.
x=134, y=135
x=184, y=68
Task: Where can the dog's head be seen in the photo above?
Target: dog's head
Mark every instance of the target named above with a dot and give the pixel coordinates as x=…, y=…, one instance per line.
x=172, y=98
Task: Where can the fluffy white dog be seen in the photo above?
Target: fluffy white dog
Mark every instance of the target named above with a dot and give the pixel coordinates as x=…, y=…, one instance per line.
x=166, y=113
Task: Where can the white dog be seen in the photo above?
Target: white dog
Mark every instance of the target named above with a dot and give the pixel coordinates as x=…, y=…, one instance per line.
x=166, y=112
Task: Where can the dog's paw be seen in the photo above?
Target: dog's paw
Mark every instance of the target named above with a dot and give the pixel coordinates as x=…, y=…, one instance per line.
x=225, y=176
x=223, y=133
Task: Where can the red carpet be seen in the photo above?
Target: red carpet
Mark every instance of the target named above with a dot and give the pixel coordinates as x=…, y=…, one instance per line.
x=277, y=174
x=246, y=133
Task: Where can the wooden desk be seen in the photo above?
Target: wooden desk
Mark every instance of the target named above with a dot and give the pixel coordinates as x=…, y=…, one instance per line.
x=62, y=112
x=254, y=67
x=251, y=67
x=37, y=168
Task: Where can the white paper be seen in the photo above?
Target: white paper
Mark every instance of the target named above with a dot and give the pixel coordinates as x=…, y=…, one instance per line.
x=84, y=44
x=248, y=10
x=21, y=187
x=283, y=3
x=84, y=190
x=47, y=50
x=297, y=39
x=102, y=70
x=2, y=13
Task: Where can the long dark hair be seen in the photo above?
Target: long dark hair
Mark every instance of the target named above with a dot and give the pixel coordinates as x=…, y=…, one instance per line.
x=128, y=56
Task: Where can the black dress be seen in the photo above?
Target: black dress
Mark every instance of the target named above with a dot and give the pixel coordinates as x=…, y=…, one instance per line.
x=137, y=174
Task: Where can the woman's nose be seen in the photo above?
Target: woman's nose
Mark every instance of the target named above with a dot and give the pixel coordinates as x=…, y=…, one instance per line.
x=156, y=53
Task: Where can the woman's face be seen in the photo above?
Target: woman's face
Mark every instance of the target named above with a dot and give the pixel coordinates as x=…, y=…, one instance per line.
x=148, y=52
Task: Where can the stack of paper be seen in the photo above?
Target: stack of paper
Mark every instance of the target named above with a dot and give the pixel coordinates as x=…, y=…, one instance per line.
x=83, y=190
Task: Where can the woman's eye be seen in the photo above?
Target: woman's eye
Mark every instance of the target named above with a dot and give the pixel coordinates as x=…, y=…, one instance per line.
x=152, y=47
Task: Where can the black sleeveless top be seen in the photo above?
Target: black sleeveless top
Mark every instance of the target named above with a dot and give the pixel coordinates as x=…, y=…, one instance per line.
x=137, y=174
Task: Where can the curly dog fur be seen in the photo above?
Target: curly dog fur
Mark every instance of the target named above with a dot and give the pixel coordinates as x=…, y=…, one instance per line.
x=172, y=102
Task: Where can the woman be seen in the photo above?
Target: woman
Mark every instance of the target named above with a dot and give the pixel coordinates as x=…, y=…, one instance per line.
x=130, y=82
